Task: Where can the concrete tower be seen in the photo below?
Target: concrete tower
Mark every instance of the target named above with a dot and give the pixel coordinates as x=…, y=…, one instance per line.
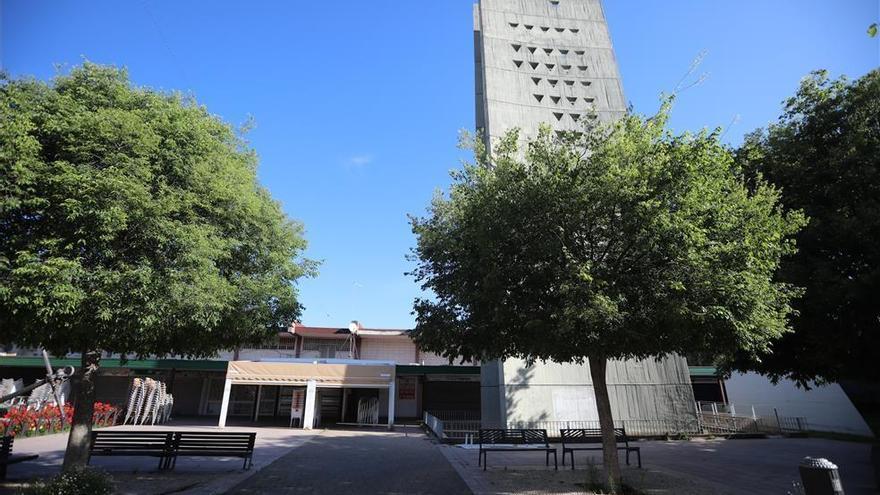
x=551, y=61
x=547, y=61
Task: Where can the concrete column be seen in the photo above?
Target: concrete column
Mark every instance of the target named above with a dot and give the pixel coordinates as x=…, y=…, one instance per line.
x=392, y=395
x=224, y=404
x=311, y=398
x=344, y=404
x=257, y=408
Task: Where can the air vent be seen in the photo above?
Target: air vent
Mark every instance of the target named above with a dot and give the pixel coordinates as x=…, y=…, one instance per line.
x=536, y=80
x=517, y=62
x=582, y=68
x=586, y=83
x=589, y=99
x=514, y=24
x=580, y=52
x=534, y=65
x=571, y=99
x=555, y=99
x=554, y=2
x=539, y=97
x=548, y=51
x=553, y=82
x=563, y=51
x=528, y=26
x=566, y=67
x=545, y=28
x=549, y=66
x=569, y=82
x=559, y=30
x=575, y=116
x=558, y=116
x=532, y=49
x=574, y=30
x=515, y=47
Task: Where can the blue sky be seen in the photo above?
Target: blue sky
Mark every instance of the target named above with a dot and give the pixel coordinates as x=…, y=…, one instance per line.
x=358, y=103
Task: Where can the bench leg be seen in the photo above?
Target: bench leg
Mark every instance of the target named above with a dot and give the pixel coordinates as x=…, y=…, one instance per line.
x=627, y=457
x=479, y=458
x=3, y=471
x=485, y=460
x=555, y=461
x=546, y=457
x=639, y=455
x=572, y=459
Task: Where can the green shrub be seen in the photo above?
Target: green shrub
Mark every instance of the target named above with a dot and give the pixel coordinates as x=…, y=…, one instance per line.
x=78, y=482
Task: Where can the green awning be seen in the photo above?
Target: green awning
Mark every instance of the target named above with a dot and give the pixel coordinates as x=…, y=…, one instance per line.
x=413, y=369
x=135, y=364
x=703, y=371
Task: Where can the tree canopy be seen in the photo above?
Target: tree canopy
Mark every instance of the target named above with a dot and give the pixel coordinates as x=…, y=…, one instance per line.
x=822, y=154
x=623, y=241
x=620, y=241
x=132, y=221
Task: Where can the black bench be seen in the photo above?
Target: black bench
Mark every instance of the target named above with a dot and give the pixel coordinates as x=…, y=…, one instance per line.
x=132, y=443
x=515, y=440
x=6, y=457
x=592, y=436
x=214, y=444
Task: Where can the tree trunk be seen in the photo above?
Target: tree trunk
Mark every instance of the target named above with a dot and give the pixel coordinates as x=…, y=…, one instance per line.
x=606, y=423
x=77, y=454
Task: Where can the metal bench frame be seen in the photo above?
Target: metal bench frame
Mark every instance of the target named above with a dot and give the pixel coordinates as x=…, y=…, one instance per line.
x=137, y=443
x=214, y=444
x=514, y=440
x=594, y=435
x=169, y=445
x=6, y=457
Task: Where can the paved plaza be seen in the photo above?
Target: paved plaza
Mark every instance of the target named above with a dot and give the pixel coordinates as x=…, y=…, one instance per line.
x=138, y=475
x=359, y=461
x=727, y=467
x=406, y=461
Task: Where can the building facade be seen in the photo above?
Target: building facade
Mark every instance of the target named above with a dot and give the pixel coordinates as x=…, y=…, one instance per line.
x=306, y=376
x=551, y=62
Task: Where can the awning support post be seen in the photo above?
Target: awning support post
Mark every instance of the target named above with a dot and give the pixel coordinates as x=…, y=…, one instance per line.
x=309, y=413
x=392, y=394
x=224, y=404
x=257, y=405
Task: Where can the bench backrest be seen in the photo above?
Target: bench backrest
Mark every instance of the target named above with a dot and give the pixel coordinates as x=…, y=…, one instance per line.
x=195, y=441
x=590, y=435
x=518, y=436
x=147, y=441
x=6, y=446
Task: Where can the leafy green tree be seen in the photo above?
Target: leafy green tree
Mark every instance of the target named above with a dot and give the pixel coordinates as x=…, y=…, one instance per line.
x=824, y=155
x=131, y=221
x=621, y=241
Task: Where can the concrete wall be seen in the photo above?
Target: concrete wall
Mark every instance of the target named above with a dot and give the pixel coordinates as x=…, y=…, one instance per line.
x=543, y=62
x=827, y=407
x=639, y=390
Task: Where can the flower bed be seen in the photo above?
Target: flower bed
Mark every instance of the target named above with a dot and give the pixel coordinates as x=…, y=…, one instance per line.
x=25, y=421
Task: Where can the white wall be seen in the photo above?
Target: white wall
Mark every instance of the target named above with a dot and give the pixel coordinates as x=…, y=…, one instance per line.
x=827, y=408
x=400, y=350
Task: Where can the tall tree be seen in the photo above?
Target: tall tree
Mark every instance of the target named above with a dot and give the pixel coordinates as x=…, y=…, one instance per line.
x=824, y=155
x=131, y=221
x=621, y=241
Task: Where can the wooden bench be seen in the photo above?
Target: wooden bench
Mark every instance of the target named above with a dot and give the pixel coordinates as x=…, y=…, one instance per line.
x=132, y=443
x=594, y=436
x=6, y=457
x=214, y=444
x=515, y=440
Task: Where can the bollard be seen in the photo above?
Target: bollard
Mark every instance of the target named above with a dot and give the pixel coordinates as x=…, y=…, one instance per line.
x=820, y=477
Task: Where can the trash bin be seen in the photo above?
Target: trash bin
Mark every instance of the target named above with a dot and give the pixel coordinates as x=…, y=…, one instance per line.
x=820, y=477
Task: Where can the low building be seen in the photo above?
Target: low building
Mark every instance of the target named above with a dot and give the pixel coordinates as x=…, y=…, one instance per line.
x=307, y=376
